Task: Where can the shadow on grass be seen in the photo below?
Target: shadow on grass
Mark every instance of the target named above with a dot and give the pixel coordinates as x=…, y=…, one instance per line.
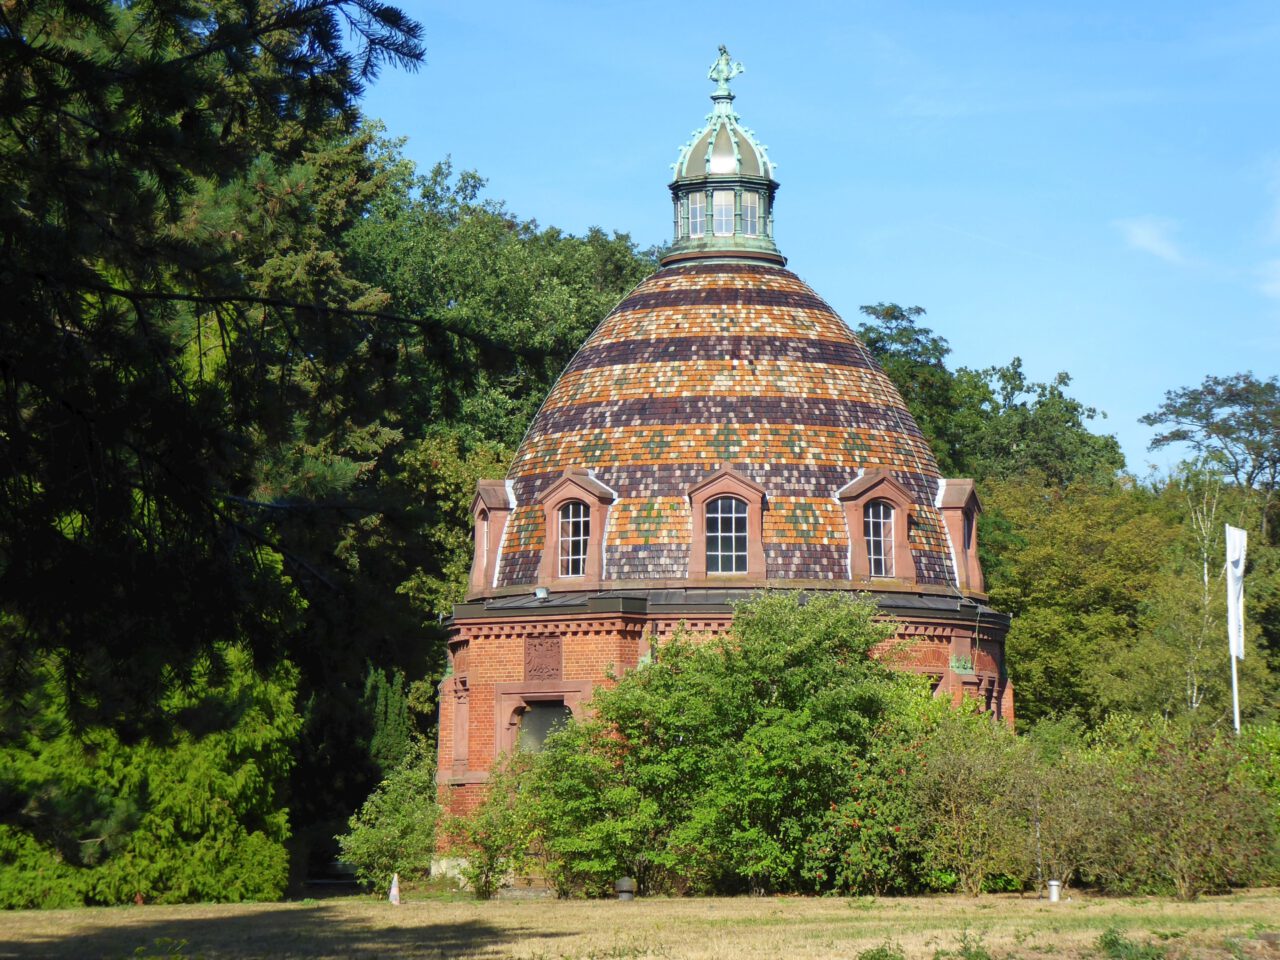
x=297, y=931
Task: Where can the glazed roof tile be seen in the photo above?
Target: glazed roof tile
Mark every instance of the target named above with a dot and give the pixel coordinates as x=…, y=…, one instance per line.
x=722, y=364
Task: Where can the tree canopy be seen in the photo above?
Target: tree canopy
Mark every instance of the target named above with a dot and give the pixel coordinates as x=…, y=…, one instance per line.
x=992, y=422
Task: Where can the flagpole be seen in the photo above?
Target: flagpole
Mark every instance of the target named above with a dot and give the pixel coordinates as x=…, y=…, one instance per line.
x=1235, y=693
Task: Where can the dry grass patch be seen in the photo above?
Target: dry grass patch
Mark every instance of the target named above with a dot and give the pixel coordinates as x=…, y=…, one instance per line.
x=948, y=928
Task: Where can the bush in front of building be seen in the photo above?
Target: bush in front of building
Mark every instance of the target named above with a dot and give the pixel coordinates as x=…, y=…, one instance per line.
x=708, y=769
x=498, y=837
x=395, y=830
x=784, y=758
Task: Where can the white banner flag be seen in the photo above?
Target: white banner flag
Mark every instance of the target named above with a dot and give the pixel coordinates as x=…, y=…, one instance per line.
x=1237, y=541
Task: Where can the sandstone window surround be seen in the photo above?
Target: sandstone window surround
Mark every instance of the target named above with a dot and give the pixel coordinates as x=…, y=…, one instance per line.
x=960, y=509
x=576, y=485
x=511, y=700
x=870, y=501
x=490, y=509
x=727, y=482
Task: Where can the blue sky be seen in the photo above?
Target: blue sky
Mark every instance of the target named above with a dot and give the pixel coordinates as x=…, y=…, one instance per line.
x=1094, y=187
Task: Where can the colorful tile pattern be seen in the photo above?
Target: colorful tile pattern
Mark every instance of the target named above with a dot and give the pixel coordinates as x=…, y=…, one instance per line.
x=720, y=364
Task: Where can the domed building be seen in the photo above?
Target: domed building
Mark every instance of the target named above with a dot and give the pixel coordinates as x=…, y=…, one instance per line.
x=720, y=432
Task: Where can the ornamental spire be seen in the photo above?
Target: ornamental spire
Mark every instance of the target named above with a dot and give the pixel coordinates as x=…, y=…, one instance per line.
x=722, y=71
x=723, y=187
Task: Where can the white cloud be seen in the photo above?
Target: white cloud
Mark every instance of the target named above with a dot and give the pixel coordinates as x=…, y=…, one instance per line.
x=1269, y=278
x=1153, y=235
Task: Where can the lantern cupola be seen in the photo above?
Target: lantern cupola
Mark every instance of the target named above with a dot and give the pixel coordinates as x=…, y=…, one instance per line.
x=723, y=189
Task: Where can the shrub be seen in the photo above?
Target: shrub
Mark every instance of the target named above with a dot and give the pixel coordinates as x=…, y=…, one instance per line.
x=974, y=817
x=1193, y=821
x=886, y=951
x=870, y=841
x=497, y=836
x=708, y=768
x=1114, y=945
x=395, y=830
x=1072, y=805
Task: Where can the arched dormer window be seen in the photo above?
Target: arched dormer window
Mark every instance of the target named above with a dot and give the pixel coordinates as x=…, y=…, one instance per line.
x=877, y=510
x=877, y=528
x=960, y=509
x=726, y=535
x=574, y=510
x=727, y=513
x=489, y=509
x=575, y=535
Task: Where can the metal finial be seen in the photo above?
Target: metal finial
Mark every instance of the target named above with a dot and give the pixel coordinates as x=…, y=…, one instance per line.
x=722, y=71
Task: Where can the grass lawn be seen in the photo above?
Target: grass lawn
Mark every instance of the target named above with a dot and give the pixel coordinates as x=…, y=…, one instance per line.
x=700, y=929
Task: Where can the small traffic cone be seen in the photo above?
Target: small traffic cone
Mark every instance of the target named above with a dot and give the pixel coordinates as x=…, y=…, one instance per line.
x=395, y=889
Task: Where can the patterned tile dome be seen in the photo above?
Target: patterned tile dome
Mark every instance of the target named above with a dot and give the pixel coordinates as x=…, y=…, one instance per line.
x=715, y=365
x=721, y=364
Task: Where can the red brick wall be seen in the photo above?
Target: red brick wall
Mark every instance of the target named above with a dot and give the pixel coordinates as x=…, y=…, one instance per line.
x=486, y=653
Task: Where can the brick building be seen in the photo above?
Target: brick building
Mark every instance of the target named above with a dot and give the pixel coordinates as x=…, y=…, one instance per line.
x=721, y=431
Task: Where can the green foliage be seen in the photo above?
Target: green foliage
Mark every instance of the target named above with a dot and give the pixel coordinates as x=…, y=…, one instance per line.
x=708, y=768
x=387, y=699
x=1108, y=581
x=497, y=836
x=1089, y=559
x=1118, y=600
x=1114, y=945
x=128, y=449
x=394, y=831
x=1191, y=820
x=196, y=816
x=1071, y=804
x=1024, y=426
x=870, y=842
x=885, y=951
x=1261, y=746
x=443, y=474
x=519, y=298
x=970, y=948
x=973, y=820
x=914, y=359
x=987, y=423
x=1234, y=421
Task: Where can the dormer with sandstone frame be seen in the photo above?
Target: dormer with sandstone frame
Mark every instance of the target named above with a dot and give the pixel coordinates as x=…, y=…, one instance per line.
x=857, y=497
x=576, y=485
x=960, y=509
x=490, y=509
x=727, y=482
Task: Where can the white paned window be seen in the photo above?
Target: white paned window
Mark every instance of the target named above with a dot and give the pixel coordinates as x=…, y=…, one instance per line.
x=877, y=527
x=722, y=212
x=697, y=214
x=575, y=531
x=726, y=535
x=751, y=214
